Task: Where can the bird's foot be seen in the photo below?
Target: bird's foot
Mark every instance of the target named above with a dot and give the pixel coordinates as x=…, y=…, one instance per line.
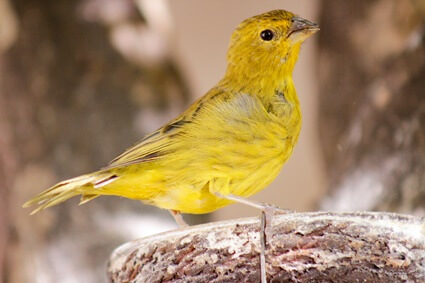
x=179, y=218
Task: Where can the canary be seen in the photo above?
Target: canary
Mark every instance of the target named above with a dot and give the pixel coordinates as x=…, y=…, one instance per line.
x=225, y=147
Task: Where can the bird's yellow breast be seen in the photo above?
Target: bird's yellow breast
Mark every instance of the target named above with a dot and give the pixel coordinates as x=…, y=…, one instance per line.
x=246, y=143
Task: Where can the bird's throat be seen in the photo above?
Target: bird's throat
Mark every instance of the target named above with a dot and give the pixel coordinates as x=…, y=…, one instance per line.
x=263, y=76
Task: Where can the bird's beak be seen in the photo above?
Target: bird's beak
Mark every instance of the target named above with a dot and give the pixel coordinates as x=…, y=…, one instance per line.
x=300, y=29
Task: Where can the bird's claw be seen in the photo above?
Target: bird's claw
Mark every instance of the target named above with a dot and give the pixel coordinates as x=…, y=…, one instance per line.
x=271, y=210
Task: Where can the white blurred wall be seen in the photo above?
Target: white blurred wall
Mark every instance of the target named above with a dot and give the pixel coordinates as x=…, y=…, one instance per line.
x=202, y=33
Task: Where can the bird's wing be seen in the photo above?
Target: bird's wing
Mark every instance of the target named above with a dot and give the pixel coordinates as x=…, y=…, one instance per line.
x=150, y=148
x=155, y=145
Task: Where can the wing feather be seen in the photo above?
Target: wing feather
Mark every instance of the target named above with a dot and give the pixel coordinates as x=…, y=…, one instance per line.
x=157, y=144
x=149, y=149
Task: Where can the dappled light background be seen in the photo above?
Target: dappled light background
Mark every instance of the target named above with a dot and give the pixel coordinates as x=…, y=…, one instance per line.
x=80, y=81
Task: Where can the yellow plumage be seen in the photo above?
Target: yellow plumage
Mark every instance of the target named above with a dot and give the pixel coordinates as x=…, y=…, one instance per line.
x=232, y=141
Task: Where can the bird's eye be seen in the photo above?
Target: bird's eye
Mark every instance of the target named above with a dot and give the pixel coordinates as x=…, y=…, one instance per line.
x=267, y=35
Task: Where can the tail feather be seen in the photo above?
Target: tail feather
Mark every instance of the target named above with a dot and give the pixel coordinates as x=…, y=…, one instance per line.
x=53, y=201
x=87, y=198
x=84, y=185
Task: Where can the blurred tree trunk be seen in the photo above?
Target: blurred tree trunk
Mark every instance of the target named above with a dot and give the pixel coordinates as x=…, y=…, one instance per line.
x=69, y=101
x=372, y=104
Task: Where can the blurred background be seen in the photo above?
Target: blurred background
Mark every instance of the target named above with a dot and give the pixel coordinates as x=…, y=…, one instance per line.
x=80, y=81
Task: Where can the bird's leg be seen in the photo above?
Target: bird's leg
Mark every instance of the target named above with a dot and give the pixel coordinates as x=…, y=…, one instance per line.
x=259, y=205
x=178, y=217
x=268, y=211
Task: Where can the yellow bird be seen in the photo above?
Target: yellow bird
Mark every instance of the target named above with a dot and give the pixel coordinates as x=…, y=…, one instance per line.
x=227, y=146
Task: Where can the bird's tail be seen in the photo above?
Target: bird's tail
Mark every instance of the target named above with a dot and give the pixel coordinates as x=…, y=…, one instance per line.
x=86, y=185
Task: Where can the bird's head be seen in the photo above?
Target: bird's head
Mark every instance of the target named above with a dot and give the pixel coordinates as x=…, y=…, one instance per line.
x=267, y=45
